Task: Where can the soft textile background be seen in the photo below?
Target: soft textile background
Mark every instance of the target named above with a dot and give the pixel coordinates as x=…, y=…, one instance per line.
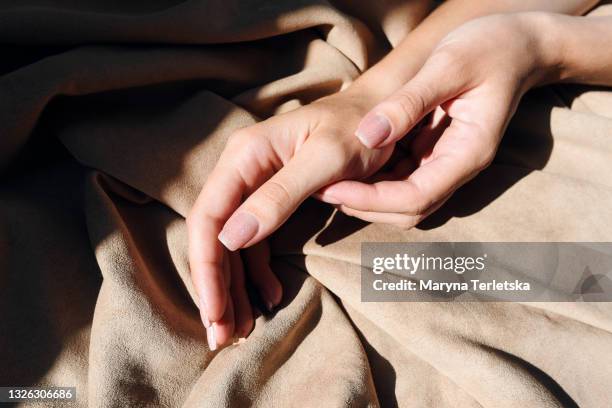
x=112, y=113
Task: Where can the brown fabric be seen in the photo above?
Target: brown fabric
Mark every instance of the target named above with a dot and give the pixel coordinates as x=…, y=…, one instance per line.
x=112, y=113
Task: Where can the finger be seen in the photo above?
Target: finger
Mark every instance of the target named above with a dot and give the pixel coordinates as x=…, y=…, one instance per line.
x=399, y=170
x=257, y=263
x=223, y=329
x=399, y=220
x=247, y=161
x=243, y=314
x=205, y=251
x=272, y=203
x=412, y=196
x=408, y=152
x=428, y=184
x=437, y=82
x=217, y=332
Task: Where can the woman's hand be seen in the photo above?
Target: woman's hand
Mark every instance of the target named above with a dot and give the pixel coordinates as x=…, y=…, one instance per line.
x=265, y=172
x=476, y=75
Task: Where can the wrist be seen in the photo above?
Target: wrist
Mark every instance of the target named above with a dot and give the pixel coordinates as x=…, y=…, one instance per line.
x=397, y=68
x=582, y=44
x=548, y=44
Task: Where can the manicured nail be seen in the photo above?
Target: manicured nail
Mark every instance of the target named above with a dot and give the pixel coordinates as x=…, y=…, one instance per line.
x=373, y=130
x=238, y=230
x=330, y=199
x=203, y=314
x=211, y=337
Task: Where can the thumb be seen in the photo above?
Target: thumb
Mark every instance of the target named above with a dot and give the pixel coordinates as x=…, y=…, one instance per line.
x=437, y=82
x=274, y=201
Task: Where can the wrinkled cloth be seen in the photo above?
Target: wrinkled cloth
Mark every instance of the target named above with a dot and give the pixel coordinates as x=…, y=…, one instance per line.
x=112, y=113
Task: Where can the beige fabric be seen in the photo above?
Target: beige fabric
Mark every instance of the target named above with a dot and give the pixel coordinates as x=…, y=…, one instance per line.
x=111, y=116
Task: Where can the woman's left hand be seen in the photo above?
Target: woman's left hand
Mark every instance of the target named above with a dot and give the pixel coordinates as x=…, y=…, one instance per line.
x=474, y=79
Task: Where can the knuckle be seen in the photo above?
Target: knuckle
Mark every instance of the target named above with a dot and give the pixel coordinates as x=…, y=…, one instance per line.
x=408, y=222
x=411, y=102
x=415, y=208
x=324, y=116
x=276, y=194
x=333, y=152
x=240, y=138
x=483, y=149
x=445, y=56
x=450, y=63
x=336, y=151
x=484, y=159
x=419, y=204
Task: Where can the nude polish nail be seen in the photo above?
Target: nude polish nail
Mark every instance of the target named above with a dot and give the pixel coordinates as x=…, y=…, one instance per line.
x=330, y=199
x=238, y=230
x=211, y=337
x=373, y=130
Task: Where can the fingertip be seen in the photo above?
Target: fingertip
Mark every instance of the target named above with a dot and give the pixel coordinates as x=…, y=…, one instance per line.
x=342, y=193
x=246, y=327
x=373, y=130
x=272, y=293
x=277, y=297
x=238, y=230
x=216, y=310
x=211, y=337
x=223, y=334
x=335, y=194
x=326, y=198
x=224, y=330
x=211, y=297
x=243, y=312
x=329, y=198
x=210, y=286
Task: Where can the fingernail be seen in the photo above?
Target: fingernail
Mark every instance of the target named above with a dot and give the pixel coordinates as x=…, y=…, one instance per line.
x=211, y=337
x=238, y=230
x=373, y=130
x=330, y=199
x=203, y=314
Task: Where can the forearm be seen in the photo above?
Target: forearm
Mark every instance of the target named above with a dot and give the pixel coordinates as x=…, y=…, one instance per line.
x=405, y=60
x=585, y=44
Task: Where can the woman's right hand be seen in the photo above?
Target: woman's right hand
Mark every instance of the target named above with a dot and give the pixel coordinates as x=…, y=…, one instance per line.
x=265, y=172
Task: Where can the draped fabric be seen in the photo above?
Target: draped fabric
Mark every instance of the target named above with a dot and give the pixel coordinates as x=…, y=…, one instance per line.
x=112, y=113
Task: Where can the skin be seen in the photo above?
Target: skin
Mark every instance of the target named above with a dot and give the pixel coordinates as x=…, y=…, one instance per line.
x=269, y=169
x=473, y=104
x=476, y=102
x=261, y=163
